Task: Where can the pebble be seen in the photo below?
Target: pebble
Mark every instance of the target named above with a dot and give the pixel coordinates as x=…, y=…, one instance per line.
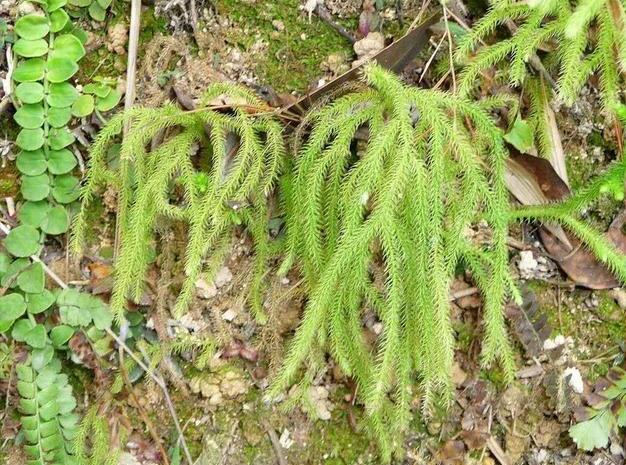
x=222, y=277
x=229, y=315
x=278, y=25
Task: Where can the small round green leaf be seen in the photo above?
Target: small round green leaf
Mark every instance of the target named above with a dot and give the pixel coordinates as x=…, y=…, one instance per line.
x=31, y=163
x=33, y=213
x=59, y=335
x=56, y=221
x=30, y=139
x=55, y=4
x=30, y=70
x=96, y=11
x=62, y=95
x=58, y=20
x=30, y=48
x=59, y=138
x=66, y=189
x=60, y=69
x=59, y=117
x=35, y=188
x=37, y=303
x=83, y=106
x=110, y=101
x=21, y=327
x=61, y=161
x=32, y=279
x=32, y=27
x=29, y=92
x=5, y=261
x=41, y=357
x=36, y=337
x=69, y=46
x=98, y=89
x=12, y=306
x=14, y=269
x=30, y=116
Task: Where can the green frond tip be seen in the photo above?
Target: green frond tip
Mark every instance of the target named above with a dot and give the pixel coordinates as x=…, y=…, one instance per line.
x=211, y=170
x=589, y=37
x=379, y=227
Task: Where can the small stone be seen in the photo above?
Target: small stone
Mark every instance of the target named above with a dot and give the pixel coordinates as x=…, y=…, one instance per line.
x=367, y=47
x=619, y=295
x=285, y=440
x=377, y=328
x=222, y=277
x=575, y=379
x=278, y=25
x=458, y=375
x=233, y=385
x=284, y=281
x=117, y=36
x=26, y=8
x=527, y=263
x=127, y=458
x=229, y=315
x=205, y=290
x=319, y=396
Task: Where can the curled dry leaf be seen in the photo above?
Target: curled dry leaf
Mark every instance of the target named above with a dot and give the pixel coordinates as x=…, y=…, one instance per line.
x=533, y=181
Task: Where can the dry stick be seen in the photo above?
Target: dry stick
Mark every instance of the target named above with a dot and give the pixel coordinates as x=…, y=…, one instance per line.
x=156, y=377
x=140, y=409
x=325, y=16
x=129, y=100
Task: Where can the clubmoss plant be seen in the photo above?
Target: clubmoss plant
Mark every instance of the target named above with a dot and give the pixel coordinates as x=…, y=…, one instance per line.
x=240, y=158
x=578, y=38
x=383, y=229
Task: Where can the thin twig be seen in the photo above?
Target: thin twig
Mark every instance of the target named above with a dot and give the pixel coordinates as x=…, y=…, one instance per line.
x=324, y=15
x=140, y=409
x=129, y=100
x=278, y=449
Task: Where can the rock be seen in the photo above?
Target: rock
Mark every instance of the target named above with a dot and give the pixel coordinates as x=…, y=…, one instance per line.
x=319, y=397
x=335, y=64
x=619, y=295
x=367, y=47
x=222, y=277
x=285, y=441
x=233, y=384
x=207, y=388
x=26, y=8
x=575, y=379
x=205, y=290
x=229, y=315
x=127, y=458
x=117, y=36
x=527, y=263
x=278, y=25
x=458, y=375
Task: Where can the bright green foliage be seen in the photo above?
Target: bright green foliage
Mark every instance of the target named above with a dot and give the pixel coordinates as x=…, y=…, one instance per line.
x=384, y=230
x=405, y=201
x=46, y=404
x=603, y=419
x=239, y=159
x=48, y=53
x=588, y=37
x=92, y=445
x=611, y=183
